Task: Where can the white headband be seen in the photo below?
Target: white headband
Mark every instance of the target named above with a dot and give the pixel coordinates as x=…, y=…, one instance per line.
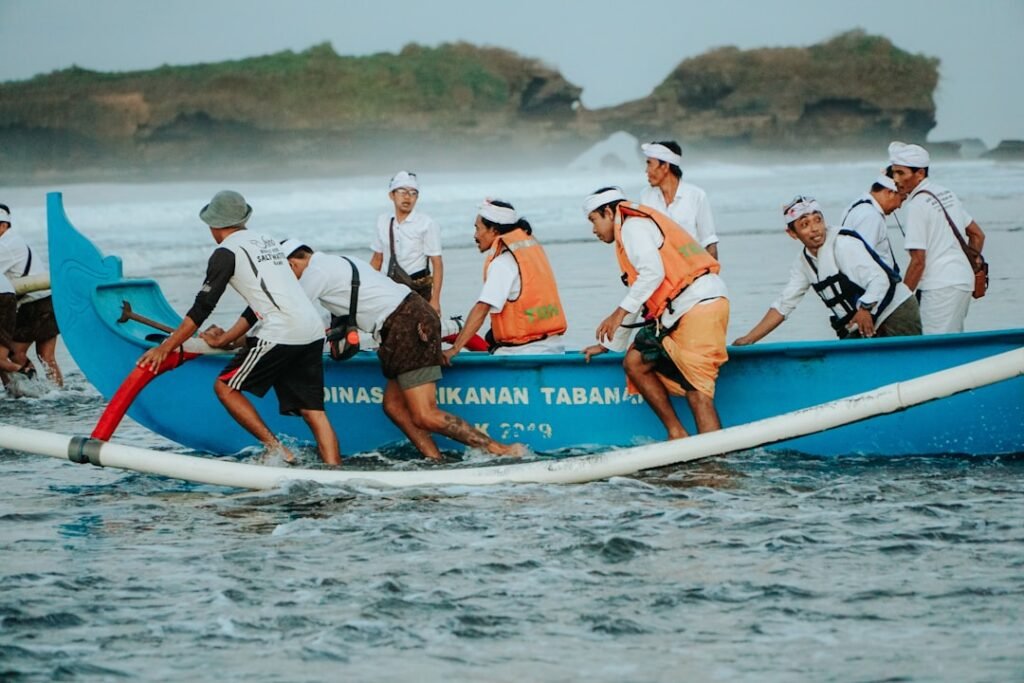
x=654, y=150
x=498, y=214
x=289, y=247
x=902, y=154
x=800, y=207
x=886, y=182
x=404, y=179
x=601, y=198
x=5, y=216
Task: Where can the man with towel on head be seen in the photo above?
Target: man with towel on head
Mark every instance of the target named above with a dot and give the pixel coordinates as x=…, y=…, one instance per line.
x=684, y=203
x=864, y=295
x=519, y=294
x=866, y=216
x=675, y=290
x=938, y=268
x=288, y=350
x=409, y=334
x=407, y=243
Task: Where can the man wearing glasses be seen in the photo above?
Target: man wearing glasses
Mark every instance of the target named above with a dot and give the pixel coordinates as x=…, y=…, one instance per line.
x=407, y=243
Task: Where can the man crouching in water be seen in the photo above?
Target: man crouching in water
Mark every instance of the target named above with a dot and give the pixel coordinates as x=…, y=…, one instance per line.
x=287, y=353
x=674, y=283
x=409, y=332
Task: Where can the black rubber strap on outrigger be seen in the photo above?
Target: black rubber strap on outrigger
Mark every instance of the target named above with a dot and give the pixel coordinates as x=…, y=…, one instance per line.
x=83, y=449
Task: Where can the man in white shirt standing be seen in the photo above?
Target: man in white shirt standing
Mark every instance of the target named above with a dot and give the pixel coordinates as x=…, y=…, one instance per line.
x=407, y=243
x=864, y=296
x=866, y=216
x=938, y=268
x=684, y=203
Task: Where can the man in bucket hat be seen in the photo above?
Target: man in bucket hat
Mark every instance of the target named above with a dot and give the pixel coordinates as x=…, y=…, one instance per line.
x=287, y=351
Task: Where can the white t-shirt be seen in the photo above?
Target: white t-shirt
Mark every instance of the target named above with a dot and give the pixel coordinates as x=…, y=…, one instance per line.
x=327, y=280
x=690, y=208
x=14, y=257
x=945, y=264
x=264, y=279
x=5, y=285
x=416, y=238
x=641, y=239
x=865, y=217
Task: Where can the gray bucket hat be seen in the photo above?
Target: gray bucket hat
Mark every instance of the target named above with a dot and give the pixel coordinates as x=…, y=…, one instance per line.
x=225, y=210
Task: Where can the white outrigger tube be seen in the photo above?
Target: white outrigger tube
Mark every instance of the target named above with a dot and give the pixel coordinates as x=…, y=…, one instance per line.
x=578, y=469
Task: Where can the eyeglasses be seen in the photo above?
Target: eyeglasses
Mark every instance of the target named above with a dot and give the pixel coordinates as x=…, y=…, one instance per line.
x=406, y=192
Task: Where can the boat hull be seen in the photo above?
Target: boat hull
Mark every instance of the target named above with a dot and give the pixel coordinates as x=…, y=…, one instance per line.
x=548, y=402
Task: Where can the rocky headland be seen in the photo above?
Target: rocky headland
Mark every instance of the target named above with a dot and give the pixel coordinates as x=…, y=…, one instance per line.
x=317, y=111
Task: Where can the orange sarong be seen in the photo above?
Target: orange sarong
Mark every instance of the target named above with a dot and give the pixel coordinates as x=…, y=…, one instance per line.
x=696, y=346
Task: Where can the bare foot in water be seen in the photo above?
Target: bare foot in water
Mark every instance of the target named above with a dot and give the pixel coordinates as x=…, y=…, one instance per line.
x=511, y=450
x=273, y=457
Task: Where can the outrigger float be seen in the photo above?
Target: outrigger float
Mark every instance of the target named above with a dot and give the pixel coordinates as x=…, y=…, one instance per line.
x=551, y=403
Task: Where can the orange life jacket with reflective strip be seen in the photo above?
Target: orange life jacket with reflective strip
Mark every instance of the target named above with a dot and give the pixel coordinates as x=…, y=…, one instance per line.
x=537, y=312
x=682, y=256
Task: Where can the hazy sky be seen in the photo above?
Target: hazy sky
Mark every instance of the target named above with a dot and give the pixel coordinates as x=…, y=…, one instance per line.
x=615, y=51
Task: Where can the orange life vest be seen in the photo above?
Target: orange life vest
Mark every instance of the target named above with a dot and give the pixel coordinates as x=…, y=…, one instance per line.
x=682, y=256
x=537, y=312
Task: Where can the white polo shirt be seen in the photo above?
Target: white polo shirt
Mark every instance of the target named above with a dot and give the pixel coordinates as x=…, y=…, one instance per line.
x=945, y=264
x=416, y=238
x=865, y=217
x=690, y=208
x=327, y=280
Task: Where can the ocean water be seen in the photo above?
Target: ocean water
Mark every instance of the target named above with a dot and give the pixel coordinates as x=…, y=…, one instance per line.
x=754, y=566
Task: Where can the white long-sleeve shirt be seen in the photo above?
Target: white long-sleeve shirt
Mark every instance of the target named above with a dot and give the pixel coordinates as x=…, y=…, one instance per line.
x=641, y=240
x=689, y=208
x=865, y=217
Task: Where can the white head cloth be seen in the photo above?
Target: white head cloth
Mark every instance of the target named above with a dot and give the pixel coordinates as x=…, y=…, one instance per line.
x=902, y=154
x=886, y=182
x=653, y=150
x=502, y=215
x=799, y=207
x=5, y=215
x=597, y=199
x=404, y=179
x=289, y=246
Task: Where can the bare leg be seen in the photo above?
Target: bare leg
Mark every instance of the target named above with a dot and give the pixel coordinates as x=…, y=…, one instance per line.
x=422, y=404
x=7, y=364
x=397, y=410
x=704, y=412
x=654, y=392
x=323, y=432
x=46, y=351
x=240, y=408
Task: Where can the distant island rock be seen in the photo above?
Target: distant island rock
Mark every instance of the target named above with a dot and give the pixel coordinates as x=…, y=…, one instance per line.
x=316, y=110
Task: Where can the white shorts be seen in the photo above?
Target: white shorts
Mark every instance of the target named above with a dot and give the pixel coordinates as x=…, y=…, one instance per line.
x=943, y=310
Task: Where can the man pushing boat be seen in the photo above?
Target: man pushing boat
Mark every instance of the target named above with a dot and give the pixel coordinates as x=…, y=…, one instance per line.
x=409, y=332
x=675, y=289
x=286, y=352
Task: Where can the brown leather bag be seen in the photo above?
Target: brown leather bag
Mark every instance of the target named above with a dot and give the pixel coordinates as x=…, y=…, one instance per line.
x=974, y=257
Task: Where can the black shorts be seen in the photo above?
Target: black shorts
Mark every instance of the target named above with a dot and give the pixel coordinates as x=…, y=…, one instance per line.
x=8, y=318
x=295, y=371
x=36, y=321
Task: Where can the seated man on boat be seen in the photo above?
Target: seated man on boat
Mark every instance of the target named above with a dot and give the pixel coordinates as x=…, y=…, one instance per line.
x=942, y=240
x=864, y=295
x=683, y=202
x=866, y=216
x=286, y=352
x=36, y=322
x=519, y=292
x=683, y=305
x=408, y=242
x=409, y=334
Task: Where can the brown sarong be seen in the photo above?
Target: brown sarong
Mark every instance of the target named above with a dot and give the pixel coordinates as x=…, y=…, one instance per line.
x=36, y=321
x=410, y=339
x=8, y=318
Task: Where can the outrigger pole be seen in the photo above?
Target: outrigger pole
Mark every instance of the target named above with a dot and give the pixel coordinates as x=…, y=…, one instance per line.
x=887, y=399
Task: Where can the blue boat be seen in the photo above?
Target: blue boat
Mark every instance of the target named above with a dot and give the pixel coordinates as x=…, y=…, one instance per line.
x=551, y=403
